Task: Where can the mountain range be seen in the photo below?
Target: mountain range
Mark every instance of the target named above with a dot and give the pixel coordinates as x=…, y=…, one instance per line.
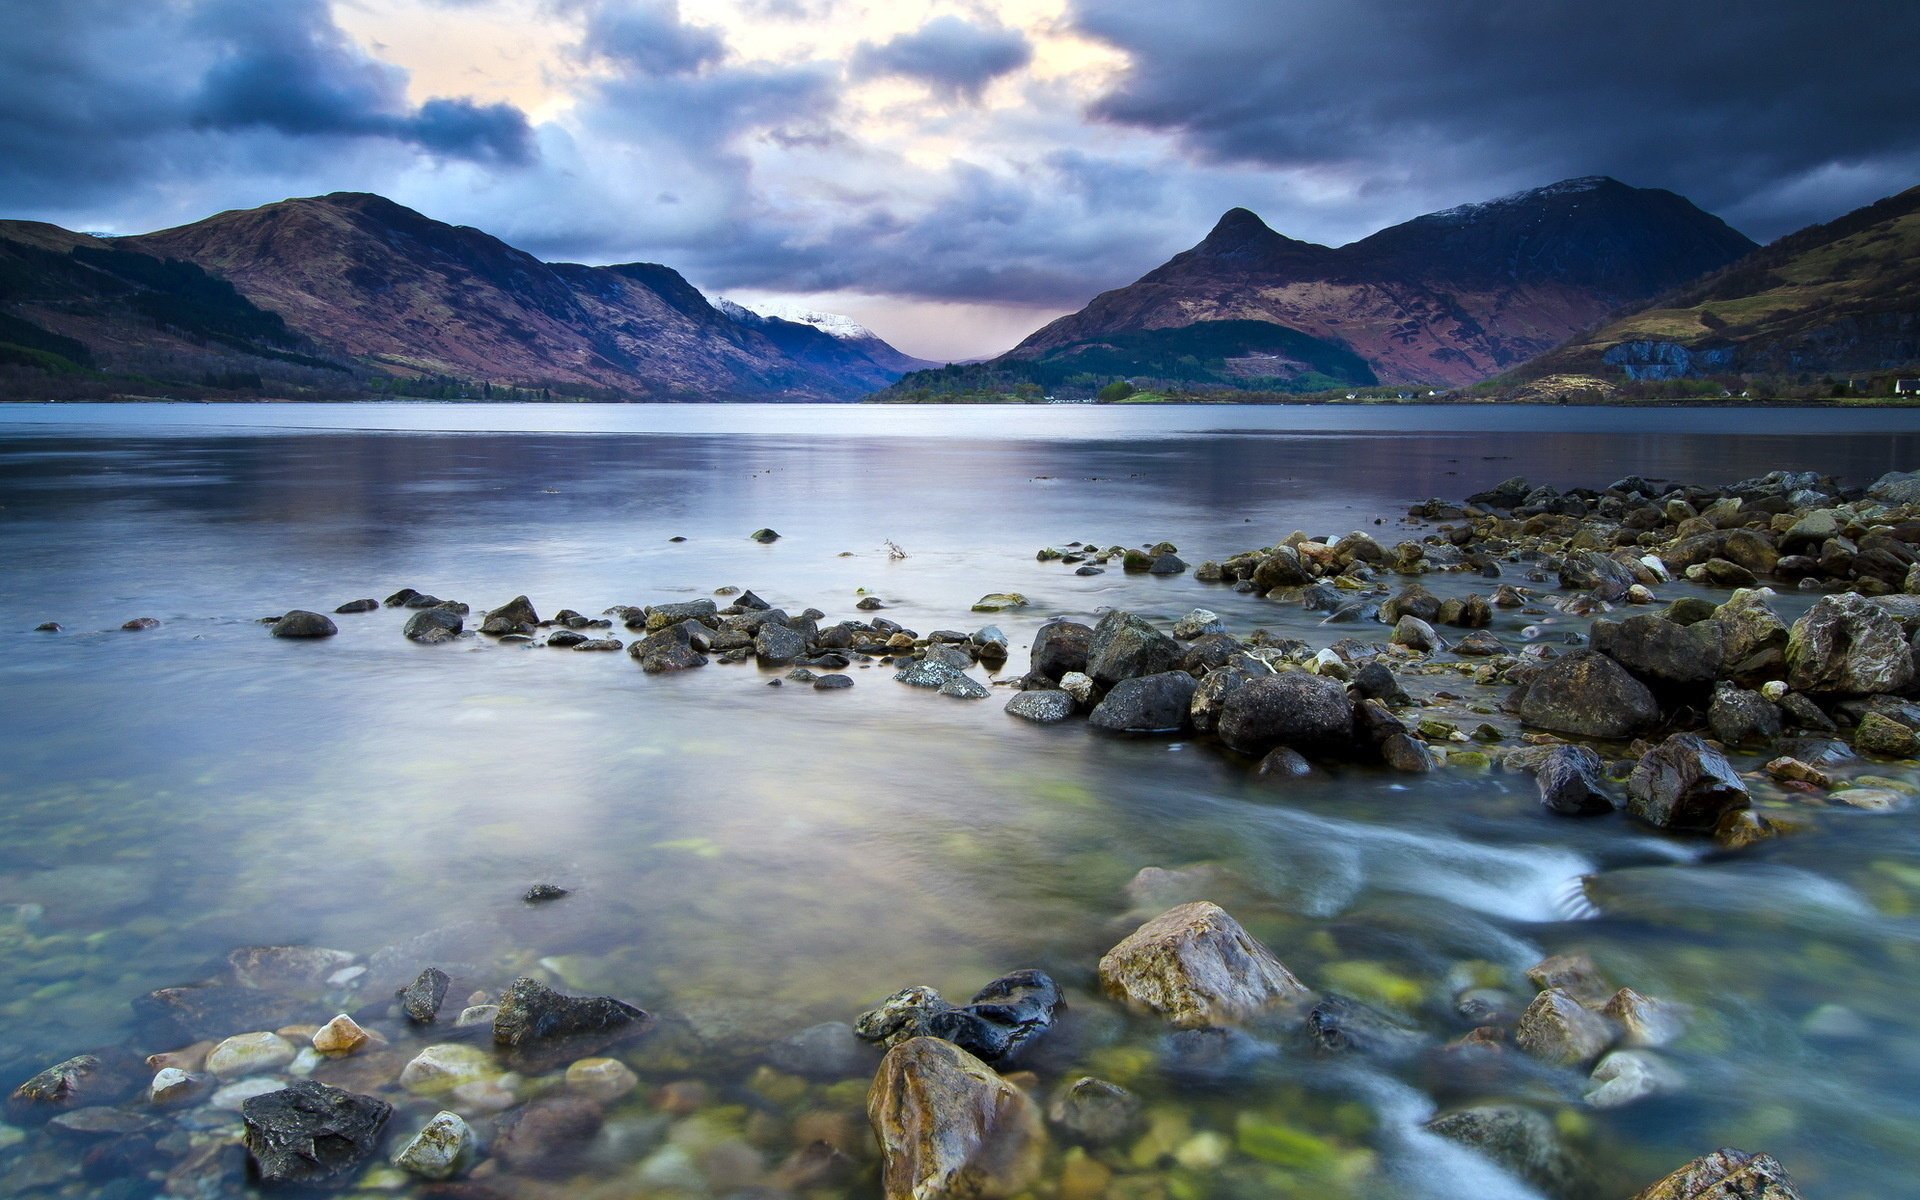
x=363, y=289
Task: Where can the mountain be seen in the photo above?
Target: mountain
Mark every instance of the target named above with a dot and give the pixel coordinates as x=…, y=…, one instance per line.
x=842, y=329
x=369, y=290
x=1843, y=297
x=1447, y=299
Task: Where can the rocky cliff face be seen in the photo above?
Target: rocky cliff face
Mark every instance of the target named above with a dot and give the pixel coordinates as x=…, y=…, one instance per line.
x=1449, y=298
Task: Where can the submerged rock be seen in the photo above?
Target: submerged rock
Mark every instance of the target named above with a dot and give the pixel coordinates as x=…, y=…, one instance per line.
x=249, y=1054
x=1339, y=1025
x=79, y=1082
x=1683, y=783
x=530, y=1011
x=1558, y=1029
x=548, y=1136
x=358, y=606
x=300, y=623
x=309, y=1133
x=1522, y=1140
x=441, y=1150
x=950, y=1128
x=1195, y=966
x=1095, y=1111
x=1725, y=1175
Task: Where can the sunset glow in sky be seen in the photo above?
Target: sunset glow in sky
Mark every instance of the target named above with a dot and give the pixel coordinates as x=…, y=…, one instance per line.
x=951, y=172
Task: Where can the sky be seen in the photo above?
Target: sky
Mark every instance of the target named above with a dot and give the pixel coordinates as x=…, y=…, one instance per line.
x=952, y=173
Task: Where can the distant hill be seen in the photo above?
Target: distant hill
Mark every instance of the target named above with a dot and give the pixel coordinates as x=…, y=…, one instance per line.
x=1839, y=299
x=1445, y=299
x=371, y=293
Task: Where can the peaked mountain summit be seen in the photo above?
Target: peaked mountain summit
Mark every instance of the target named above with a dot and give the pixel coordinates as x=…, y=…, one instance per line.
x=1445, y=299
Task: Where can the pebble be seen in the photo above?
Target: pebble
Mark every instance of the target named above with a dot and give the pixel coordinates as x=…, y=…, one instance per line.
x=249, y=1054
x=446, y=1065
x=602, y=1079
x=342, y=1035
x=441, y=1150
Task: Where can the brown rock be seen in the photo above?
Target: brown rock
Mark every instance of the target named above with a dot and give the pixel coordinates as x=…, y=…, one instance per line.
x=1556, y=1028
x=951, y=1129
x=1725, y=1175
x=1195, y=966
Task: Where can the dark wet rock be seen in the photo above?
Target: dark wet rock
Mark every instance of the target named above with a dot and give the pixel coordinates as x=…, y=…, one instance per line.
x=1467, y=612
x=565, y=639
x=1375, y=725
x=1589, y=695
x=1208, y=698
x=961, y=686
x=140, y=623
x=778, y=646
x=1283, y=765
x=1124, y=646
x=999, y=1022
x=1167, y=564
x=531, y=1012
x=595, y=645
x=422, y=998
x=1848, y=645
x=189, y=1014
x=1096, y=1112
x=1375, y=681
x=423, y=600
x=1661, y=652
x=1683, y=783
x=827, y=1051
x=1214, y=1057
x=547, y=1137
x=1725, y=1175
x=1281, y=569
x=515, y=616
x=869, y=604
x=1415, y=634
x=48, y=627
x=832, y=683
x=1308, y=712
x=1569, y=781
x=1801, y=712
x=293, y=967
x=1195, y=966
x=312, y=1134
x=358, y=606
x=1209, y=653
x=1884, y=736
x=430, y=626
x=1411, y=601
x=300, y=623
x=540, y=892
x=1816, y=751
x=1339, y=1025
x=950, y=1128
x=84, y=1081
x=1042, y=707
x=1521, y=1140
x=1479, y=644
x=928, y=673
x=1558, y=1029
x=659, y=616
x=764, y=536
x=1147, y=704
x=400, y=598
x=1740, y=718
x=667, y=650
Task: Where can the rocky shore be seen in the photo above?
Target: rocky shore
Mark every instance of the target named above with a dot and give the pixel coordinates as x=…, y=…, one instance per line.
x=1774, y=680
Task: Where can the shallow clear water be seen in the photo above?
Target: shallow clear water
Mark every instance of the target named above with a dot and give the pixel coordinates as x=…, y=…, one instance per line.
x=757, y=859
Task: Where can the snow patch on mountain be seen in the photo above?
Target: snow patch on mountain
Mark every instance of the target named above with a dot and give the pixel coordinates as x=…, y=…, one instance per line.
x=833, y=324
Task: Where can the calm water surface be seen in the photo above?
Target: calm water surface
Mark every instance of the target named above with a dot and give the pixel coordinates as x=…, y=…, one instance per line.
x=751, y=860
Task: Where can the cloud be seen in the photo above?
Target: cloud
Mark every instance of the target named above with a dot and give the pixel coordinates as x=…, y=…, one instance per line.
x=1712, y=101
x=956, y=58
x=649, y=36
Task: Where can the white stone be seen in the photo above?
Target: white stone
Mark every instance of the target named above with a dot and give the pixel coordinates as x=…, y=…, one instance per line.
x=345, y=976
x=446, y=1065
x=249, y=1054
x=172, y=1086
x=234, y=1095
x=1625, y=1076
x=1078, y=685
x=602, y=1079
x=305, y=1062
x=441, y=1150
x=478, y=1014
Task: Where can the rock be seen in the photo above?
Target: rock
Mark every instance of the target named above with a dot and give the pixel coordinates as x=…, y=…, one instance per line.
x=233, y=1097
x=1573, y=974
x=994, y=602
x=1292, y=708
x=1060, y=647
x=1124, y=646
x=603, y=1079
x=951, y=1129
x=1683, y=783
x=1522, y=1140
x=309, y=1133
x=185, y=1014
x=828, y=1051
x=358, y=606
x=284, y=966
x=1479, y=644
x=1204, y=712
x=832, y=683
x=49, y=627
x=1081, y=687
x=1846, y=644
x=763, y=536
x=80, y=1082
x=1375, y=681
x=1569, y=782
x=540, y=893
x=1197, y=624
x=530, y=1011
x=1195, y=967
x=1147, y=704
x=1167, y=564
x=1725, y=1175
x=300, y=623
x=660, y=616
x=778, y=645
x=441, y=1150
x=548, y=1136
x=1588, y=694
x=999, y=1022
x=1094, y=1111
x=138, y=624
x=444, y=1066
x=928, y=673
x=249, y=1054
x=1281, y=569
x=1788, y=769
x=172, y=1087
x=674, y=648
x=1044, y=708
x=1338, y=1025
x=431, y=626
x=1282, y=764
x=1413, y=633
x=962, y=686
x=1626, y=1076
x=1739, y=717
x=422, y=998
x=1661, y=652
x=515, y=616
x=1877, y=734
x=1411, y=601
x=1556, y=1028
x=342, y=1035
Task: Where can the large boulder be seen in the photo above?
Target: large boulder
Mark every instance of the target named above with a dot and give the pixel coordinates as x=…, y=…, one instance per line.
x=1896, y=487
x=431, y=626
x=1683, y=783
x=1740, y=717
x=1753, y=638
x=1726, y=1175
x=303, y=624
x=950, y=1128
x=1662, y=652
x=1283, y=568
x=1124, y=646
x=1196, y=967
x=1149, y=704
x=515, y=616
x=1292, y=708
x=1588, y=694
x=1061, y=647
x=1208, y=698
x=312, y=1134
x=1845, y=644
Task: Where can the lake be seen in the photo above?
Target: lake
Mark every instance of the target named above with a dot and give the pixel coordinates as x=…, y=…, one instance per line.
x=746, y=860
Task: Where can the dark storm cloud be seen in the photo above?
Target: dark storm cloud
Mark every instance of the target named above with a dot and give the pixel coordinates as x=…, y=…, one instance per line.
x=96, y=96
x=954, y=57
x=1725, y=103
